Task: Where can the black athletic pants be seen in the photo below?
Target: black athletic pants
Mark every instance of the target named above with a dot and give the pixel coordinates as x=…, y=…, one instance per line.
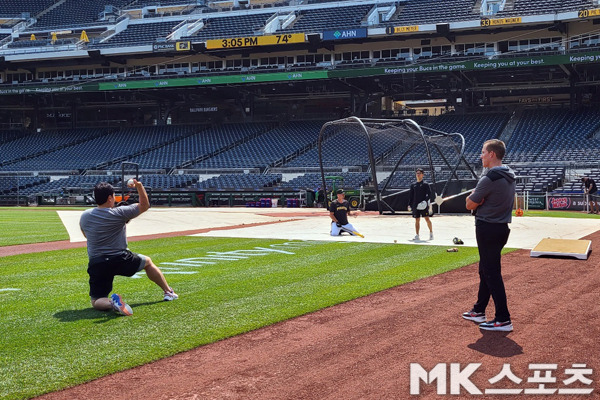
x=491, y=238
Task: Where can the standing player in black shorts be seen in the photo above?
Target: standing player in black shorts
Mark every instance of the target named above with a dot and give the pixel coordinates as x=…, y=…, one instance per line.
x=590, y=190
x=419, y=200
x=105, y=230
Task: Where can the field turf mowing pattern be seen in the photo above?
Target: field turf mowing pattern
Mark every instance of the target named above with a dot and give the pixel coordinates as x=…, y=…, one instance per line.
x=52, y=338
x=20, y=225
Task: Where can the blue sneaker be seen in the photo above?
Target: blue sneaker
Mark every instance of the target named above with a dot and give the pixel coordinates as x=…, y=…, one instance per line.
x=119, y=305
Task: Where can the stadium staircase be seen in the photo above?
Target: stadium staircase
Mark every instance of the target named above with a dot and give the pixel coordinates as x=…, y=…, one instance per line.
x=198, y=160
x=511, y=125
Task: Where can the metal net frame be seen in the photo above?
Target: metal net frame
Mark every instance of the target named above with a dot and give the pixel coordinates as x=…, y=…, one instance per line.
x=404, y=136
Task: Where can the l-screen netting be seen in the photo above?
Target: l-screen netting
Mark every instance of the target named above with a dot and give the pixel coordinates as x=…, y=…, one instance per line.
x=397, y=147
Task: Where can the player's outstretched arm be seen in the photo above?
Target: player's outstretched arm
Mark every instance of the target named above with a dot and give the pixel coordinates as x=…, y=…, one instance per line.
x=144, y=203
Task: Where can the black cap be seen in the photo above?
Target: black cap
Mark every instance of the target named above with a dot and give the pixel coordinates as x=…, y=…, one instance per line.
x=339, y=191
x=420, y=170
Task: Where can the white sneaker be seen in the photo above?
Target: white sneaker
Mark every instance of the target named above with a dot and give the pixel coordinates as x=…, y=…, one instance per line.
x=416, y=237
x=430, y=235
x=170, y=295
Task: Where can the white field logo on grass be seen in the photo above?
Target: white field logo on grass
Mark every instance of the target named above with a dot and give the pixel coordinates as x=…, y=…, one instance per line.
x=214, y=257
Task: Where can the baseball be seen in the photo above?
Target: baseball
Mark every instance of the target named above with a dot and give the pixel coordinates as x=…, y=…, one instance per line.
x=130, y=183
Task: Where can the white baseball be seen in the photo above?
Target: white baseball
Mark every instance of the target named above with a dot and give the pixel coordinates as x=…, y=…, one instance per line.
x=130, y=183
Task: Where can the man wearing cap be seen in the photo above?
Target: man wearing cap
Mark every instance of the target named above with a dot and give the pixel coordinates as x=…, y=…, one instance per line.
x=339, y=211
x=419, y=199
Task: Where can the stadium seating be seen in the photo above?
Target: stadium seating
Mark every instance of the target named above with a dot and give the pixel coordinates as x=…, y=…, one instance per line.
x=432, y=11
x=162, y=182
x=344, y=148
x=314, y=20
x=146, y=3
x=533, y=133
x=404, y=178
x=313, y=181
x=542, y=136
x=13, y=8
x=71, y=184
x=76, y=12
x=99, y=149
x=528, y=7
x=268, y=148
x=34, y=144
x=202, y=144
x=240, y=181
x=139, y=34
x=539, y=179
x=242, y=25
x=575, y=140
x=18, y=184
x=475, y=129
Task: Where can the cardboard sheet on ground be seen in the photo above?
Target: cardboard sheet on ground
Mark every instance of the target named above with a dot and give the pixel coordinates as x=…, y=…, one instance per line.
x=562, y=247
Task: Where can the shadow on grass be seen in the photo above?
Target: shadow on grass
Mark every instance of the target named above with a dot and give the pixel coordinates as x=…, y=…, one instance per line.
x=86, y=313
x=93, y=314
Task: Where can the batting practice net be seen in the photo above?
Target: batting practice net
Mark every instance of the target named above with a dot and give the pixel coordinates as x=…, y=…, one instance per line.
x=381, y=155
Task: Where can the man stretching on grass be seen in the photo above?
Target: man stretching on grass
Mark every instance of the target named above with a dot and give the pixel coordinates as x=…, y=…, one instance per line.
x=105, y=230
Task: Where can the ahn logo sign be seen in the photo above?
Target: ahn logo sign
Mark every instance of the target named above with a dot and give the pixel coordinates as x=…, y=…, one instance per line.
x=345, y=34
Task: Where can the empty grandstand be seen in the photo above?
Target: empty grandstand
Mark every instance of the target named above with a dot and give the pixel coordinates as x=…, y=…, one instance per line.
x=222, y=96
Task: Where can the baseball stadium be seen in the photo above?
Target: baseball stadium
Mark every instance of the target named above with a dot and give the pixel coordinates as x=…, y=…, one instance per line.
x=238, y=123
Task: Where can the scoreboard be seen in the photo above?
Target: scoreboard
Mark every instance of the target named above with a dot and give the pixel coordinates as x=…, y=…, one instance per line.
x=251, y=41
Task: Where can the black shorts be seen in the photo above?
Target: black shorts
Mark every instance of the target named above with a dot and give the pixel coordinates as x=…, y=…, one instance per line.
x=420, y=213
x=102, y=271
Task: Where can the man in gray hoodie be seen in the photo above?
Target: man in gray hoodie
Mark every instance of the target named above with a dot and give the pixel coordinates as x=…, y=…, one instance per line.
x=492, y=203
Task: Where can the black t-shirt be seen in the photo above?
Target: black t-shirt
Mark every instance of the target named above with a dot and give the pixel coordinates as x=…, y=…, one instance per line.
x=419, y=191
x=590, y=185
x=340, y=211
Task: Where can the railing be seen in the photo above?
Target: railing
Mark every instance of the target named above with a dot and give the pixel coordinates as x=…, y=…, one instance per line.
x=5, y=41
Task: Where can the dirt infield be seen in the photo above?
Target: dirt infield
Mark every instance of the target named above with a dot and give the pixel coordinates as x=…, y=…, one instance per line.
x=363, y=349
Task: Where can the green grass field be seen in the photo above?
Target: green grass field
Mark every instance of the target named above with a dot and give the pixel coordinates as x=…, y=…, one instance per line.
x=30, y=225
x=559, y=214
x=52, y=338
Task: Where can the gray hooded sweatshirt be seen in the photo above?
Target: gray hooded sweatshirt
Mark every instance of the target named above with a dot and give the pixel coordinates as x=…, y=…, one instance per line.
x=497, y=189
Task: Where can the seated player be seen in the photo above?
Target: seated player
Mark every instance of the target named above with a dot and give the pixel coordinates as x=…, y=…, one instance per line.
x=339, y=211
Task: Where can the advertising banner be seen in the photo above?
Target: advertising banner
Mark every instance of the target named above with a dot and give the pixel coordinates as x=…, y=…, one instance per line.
x=566, y=202
x=536, y=202
x=344, y=34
